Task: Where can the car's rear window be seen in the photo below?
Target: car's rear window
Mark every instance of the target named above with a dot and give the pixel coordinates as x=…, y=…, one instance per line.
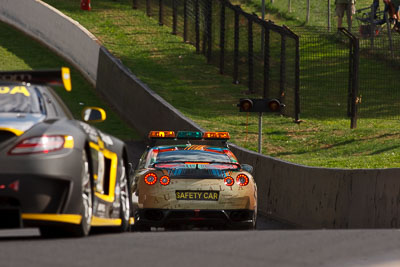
x=19, y=98
x=191, y=156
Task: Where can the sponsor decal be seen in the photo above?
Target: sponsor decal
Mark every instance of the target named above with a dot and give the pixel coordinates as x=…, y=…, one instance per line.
x=14, y=90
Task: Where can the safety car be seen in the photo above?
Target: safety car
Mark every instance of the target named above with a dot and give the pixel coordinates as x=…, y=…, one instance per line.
x=57, y=173
x=192, y=179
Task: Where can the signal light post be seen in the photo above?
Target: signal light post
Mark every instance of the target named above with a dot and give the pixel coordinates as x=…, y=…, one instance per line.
x=260, y=106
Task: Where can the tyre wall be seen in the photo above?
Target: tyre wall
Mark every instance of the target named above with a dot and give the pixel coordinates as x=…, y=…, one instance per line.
x=60, y=33
x=304, y=196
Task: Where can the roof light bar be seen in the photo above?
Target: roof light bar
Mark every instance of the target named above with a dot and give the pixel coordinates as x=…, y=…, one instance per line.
x=216, y=135
x=162, y=135
x=189, y=135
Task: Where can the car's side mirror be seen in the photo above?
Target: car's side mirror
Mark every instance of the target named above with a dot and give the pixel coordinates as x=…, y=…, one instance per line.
x=248, y=168
x=93, y=114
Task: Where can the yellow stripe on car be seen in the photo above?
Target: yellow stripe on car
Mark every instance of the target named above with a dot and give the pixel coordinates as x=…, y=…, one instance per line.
x=14, y=131
x=65, y=218
x=113, y=172
x=97, y=221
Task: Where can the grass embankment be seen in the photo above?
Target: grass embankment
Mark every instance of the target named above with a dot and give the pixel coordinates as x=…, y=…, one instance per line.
x=19, y=52
x=174, y=71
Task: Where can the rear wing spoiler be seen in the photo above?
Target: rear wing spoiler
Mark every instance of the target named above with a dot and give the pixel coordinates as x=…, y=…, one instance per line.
x=42, y=77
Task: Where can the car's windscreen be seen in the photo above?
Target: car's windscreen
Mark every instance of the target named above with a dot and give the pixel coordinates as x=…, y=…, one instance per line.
x=20, y=99
x=191, y=156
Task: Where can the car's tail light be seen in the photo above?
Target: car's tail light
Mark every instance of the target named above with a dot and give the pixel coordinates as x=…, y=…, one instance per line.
x=229, y=181
x=14, y=186
x=42, y=144
x=150, y=178
x=165, y=180
x=242, y=180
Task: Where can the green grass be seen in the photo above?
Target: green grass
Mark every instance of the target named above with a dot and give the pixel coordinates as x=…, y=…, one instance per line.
x=19, y=52
x=174, y=71
x=278, y=11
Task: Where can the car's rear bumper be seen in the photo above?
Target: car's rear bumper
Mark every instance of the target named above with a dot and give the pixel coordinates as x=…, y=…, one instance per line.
x=40, y=189
x=171, y=218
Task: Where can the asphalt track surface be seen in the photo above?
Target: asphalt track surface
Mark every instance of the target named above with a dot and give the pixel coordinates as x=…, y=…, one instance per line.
x=204, y=248
x=272, y=244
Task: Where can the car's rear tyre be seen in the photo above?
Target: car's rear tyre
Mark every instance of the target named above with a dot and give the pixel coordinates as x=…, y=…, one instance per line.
x=83, y=228
x=125, y=209
x=86, y=200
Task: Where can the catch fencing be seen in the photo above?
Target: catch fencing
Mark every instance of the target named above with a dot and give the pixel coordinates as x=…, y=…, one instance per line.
x=258, y=53
x=343, y=74
x=349, y=75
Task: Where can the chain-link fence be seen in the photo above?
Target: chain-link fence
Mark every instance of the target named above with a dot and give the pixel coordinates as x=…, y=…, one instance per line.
x=338, y=79
x=254, y=52
x=328, y=73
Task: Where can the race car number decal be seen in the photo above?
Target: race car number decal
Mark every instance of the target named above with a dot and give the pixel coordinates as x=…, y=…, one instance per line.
x=197, y=195
x=14, y=90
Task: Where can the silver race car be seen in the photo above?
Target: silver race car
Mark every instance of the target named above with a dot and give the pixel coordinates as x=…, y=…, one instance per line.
x=57, y=173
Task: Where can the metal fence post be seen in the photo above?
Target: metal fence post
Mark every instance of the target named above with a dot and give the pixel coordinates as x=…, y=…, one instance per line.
x=174, y=17
x=209, y=30
x=355, y=100
x=350, y=78
x=160, y=12
x=203, y=12
x=250, y=55
x=236, y=49
x=297, y=81
x=266, y=59
x=222, y=40
x=354, y=61
x=282, y=79
x=329, y=16
x=296, y=38
x=185, y=21
x=148, y=8
x=197, y=26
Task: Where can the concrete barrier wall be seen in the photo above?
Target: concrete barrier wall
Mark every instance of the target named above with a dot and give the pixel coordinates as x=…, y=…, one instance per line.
x=135, y=101
x=325, y=198
x=305, y=196
x=59, y=32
